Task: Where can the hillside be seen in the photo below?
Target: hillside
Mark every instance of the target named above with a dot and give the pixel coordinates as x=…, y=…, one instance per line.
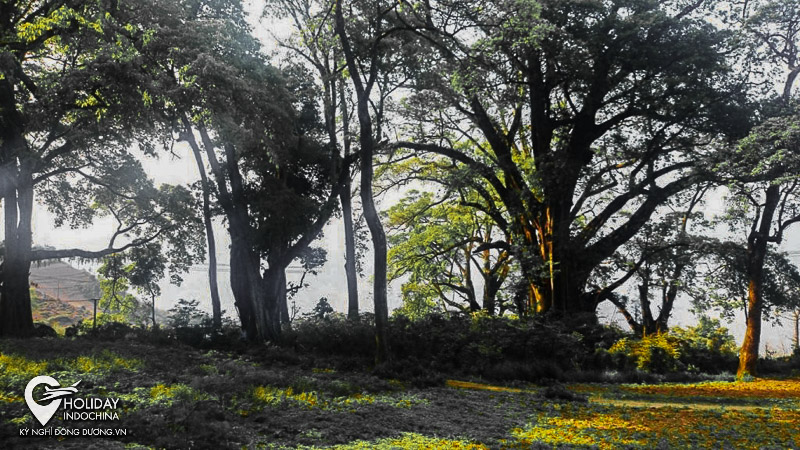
x=62, y=294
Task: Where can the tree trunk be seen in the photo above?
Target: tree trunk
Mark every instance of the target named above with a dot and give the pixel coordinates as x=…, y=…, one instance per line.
x=796, y=340
x=367, y=201
x=748, y=355
x=153, y=303
x=380, y=257
x=216, y=309
x=347, y=217
x=241, y=286
x=757, y=243
x=16, y=317
x=273, y=299
x=349, y=252
x=282, y=299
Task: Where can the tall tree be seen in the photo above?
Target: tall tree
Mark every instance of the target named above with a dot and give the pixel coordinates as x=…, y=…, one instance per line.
x=211, y=242
x=587, y=117
x=315, y=42
x=664, y=259
x=71, y=103
x=276, y=182
x=764, y=163
x=364, y=64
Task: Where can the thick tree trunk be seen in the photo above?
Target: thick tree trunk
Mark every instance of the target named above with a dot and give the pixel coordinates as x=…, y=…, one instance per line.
x=255, y=296
x=16, y=318
x=241, y=286
x=756, y=253
x=748, y=355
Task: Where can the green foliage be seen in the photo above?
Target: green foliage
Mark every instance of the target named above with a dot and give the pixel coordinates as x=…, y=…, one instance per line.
x=706, y=347
x=708, y=335
x=724, y=289
x=657, y=353
x=322, y=310
x=545, y=116
x=115, y=303
x=433, y=250
x=423, y=349
x=186, y=314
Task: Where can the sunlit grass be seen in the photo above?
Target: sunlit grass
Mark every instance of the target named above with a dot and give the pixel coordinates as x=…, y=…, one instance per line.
x=480, y=386
x=103, y=362
x=162, y=393
x=273, y=397
x=411, y=441
x=12, y=365
x=9, y=398
x=619, y=427
x=759, y=388
x=24, y=368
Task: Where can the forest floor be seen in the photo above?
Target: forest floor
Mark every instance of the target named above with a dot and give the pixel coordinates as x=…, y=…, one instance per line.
x=173, y=396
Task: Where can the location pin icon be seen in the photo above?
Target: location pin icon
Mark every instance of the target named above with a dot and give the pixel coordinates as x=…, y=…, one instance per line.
x=43, y=413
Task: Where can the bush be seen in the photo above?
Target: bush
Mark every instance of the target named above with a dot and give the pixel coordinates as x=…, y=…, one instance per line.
x=470, y=345
x=706, y=347
x=657, y=353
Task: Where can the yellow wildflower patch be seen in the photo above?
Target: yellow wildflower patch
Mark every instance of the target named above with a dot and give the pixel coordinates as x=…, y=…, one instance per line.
x=479, y=386
x=760, y=388
x=274, y=396
x=162, y=391
x=615, y=427
x=103, y=362
x=21, y=366
x=8, y=398
x=413, y=440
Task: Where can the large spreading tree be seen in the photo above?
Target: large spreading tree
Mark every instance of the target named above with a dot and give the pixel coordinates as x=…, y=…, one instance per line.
x=73, y=100
x=276, y=179
x=583, y=118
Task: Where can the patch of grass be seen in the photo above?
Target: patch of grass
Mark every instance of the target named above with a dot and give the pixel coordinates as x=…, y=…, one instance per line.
x=480, y=386
x=20, y=366
x=613, y=427
x=173, y=394
x=412, y=440
x=104, y=362
x=758, y=388
x=277, y=397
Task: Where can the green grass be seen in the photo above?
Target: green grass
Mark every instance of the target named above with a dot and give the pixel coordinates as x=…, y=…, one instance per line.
x=172, y=395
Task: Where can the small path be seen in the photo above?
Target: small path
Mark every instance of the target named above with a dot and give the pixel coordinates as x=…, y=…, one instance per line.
x=677, y=405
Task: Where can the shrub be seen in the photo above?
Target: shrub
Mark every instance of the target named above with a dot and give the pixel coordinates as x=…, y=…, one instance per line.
x=706, y=347
x=658, y=353
x=473, y=345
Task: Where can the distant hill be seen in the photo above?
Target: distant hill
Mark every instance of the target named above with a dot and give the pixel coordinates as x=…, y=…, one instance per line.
x=63, y=294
